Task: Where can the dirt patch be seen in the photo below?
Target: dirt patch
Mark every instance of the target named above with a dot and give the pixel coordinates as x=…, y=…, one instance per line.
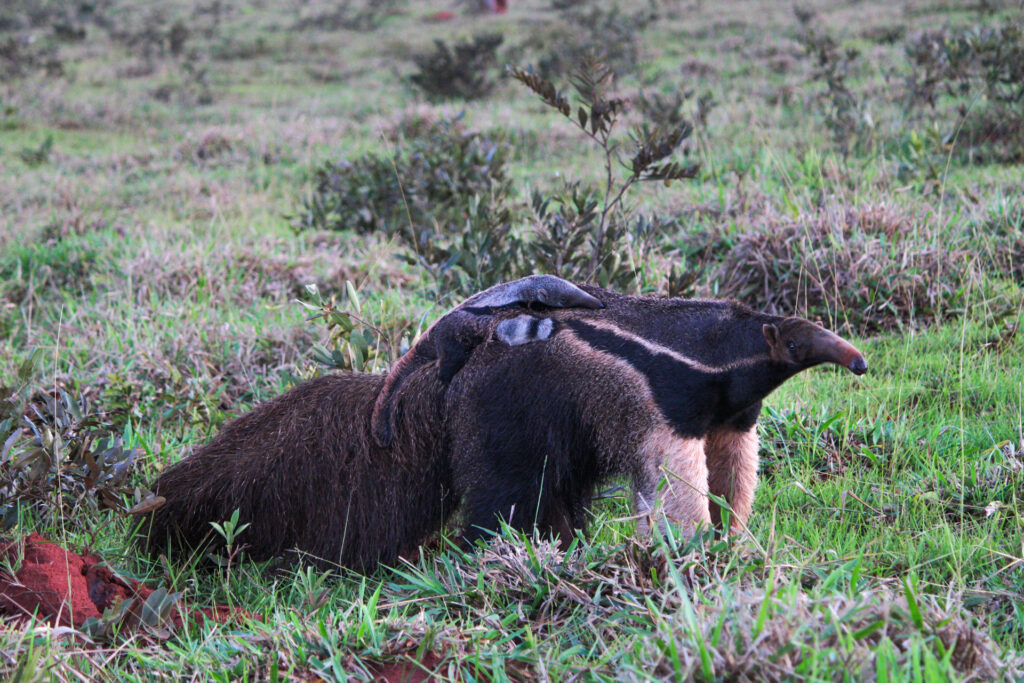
x=409, y=670
x=65, y=588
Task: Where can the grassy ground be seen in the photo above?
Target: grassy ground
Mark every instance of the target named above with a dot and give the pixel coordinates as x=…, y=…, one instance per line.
x=149, y=267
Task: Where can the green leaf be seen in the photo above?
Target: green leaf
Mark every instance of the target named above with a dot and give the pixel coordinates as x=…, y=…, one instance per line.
x=353, y=295
x=910, y=592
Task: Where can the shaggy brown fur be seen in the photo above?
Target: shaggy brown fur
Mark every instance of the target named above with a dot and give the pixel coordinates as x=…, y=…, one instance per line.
x=305, y=473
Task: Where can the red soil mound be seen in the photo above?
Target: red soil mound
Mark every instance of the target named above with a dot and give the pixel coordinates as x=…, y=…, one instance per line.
x=408, y=671
x=65, y=588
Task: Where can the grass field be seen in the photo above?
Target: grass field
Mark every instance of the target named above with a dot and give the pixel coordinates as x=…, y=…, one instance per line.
x=157, y=162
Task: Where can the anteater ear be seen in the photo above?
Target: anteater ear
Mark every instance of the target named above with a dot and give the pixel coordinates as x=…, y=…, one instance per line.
x=771, y=334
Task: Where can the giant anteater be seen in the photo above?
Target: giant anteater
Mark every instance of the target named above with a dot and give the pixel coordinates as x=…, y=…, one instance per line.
x=504, y=413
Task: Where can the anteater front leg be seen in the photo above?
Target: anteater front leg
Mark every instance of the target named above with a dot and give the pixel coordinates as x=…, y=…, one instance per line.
x=683, y=497
x=732, y=470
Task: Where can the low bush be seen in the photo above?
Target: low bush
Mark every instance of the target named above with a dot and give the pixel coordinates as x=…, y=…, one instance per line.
x=862, y=268
x=423, y=186
x=189, y=84
x=586, y=232
x=844, y=111
x=56, y=452
x=465, y=71
x=973, y=79
x=21, y=57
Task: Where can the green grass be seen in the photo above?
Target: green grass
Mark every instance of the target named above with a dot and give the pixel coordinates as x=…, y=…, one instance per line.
x=159, y=282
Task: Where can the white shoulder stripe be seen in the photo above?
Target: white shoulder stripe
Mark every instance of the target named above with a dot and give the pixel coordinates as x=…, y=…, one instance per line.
x=658, y=348
x=523, y=329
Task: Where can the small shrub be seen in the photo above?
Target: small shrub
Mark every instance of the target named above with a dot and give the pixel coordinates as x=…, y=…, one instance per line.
x=177, y=35
x=190, y=84
x=37, y=156
x=845, y=113
x=147, y=36
x=56, y=453
x=978, y=73
x=585, y=28
x=974, y=60
x=20, y=57
x=464, y=71
x=425, y=184
x=587, y=233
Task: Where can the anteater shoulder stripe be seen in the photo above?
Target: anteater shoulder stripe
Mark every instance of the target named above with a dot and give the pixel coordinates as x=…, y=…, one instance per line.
x=676, y=384
x=660, y=349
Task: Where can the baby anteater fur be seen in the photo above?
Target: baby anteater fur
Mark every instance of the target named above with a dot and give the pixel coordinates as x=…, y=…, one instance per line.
x=453, y=337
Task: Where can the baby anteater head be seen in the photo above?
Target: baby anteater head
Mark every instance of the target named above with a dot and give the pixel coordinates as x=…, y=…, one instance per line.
x=549, y=290
x=803, y=344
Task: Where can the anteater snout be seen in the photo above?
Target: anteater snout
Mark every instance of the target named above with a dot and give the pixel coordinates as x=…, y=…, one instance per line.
x=858, y=366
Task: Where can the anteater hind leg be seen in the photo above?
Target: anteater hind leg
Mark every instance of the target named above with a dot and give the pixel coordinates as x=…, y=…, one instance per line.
x=520, y=502
x=732, y=472
x=681, y=463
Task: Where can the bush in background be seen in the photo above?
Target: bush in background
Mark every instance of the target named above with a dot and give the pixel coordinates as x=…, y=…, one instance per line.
x=978, y=72
x=464, y=71
x=865, y=269
x=56, y=452
x=558, y=47
x=424, y=183
x=585, y=232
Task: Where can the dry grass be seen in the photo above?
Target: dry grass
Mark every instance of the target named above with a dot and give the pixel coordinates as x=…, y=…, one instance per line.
x=703, y=624
x=868, y=268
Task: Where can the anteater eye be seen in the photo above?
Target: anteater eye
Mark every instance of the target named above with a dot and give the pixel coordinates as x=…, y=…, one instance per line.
x=791, y=346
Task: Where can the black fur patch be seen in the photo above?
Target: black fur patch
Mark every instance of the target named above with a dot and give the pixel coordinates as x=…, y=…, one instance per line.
x=481, y=310
x=680, y=390
x=534, y=328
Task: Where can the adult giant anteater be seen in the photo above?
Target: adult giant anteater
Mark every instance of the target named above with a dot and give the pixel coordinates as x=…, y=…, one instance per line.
x=503, y=411
x=645, y=387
